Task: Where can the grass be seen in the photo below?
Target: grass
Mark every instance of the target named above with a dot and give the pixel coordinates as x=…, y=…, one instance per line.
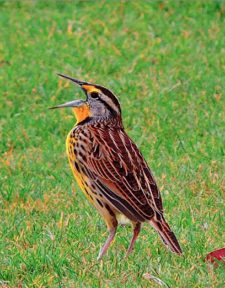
x=165, y=61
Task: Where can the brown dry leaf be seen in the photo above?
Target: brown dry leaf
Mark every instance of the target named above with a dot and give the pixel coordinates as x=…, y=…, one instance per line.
x=217, y=96
x=70, y=28
x=186, y=34
x=7, y=157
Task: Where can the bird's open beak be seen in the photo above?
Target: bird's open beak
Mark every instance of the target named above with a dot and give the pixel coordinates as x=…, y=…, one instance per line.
x=75, y=103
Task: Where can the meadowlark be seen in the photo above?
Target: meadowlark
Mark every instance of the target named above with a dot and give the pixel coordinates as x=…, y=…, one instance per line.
x=110, y=169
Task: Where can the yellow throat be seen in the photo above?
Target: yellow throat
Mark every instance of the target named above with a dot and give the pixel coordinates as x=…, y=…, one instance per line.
x=82, y=112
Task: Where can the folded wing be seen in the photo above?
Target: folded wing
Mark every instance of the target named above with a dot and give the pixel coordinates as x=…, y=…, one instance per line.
x=121, y=174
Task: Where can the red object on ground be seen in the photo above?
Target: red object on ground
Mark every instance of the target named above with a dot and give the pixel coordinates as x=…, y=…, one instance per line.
x=215, y=256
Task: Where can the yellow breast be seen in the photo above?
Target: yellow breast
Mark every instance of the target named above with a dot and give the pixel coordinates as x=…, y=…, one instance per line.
x=80, y=178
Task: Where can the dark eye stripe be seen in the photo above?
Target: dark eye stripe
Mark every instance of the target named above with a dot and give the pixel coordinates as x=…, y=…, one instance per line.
x=110, y=95
x=108, y=106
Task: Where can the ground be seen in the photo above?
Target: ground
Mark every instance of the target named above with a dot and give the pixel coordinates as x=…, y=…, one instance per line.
x=165, y=61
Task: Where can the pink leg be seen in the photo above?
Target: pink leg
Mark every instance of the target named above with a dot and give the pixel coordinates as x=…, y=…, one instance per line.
x=112, y=233
x=136, y=231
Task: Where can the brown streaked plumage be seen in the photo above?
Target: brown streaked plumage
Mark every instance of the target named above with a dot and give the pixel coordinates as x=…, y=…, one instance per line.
x=110, y=169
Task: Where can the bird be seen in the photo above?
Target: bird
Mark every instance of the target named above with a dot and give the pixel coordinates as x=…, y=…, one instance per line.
x=110, y=169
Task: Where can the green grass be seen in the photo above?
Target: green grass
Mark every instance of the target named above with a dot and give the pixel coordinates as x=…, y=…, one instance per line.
x=165, y=61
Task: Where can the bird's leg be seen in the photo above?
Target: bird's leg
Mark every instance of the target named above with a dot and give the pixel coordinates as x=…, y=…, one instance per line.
x=136, y=231
x=103, y=250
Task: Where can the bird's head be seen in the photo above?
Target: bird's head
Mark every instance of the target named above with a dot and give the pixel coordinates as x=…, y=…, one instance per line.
x=100, y=102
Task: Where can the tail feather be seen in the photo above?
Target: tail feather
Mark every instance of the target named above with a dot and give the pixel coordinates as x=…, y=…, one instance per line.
x=166, y=234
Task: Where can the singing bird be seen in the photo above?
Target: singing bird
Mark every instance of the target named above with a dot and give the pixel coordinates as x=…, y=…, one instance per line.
x=110, y=169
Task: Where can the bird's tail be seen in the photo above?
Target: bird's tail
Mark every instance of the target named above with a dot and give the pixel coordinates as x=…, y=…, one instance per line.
x=167, y=235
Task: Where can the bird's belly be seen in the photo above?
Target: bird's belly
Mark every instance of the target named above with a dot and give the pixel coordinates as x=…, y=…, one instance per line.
x=122, y=219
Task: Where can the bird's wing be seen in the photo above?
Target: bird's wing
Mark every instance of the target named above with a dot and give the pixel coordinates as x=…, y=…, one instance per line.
x=120, y=172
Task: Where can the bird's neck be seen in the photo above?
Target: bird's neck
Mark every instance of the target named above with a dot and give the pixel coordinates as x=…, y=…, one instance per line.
x=115, y=122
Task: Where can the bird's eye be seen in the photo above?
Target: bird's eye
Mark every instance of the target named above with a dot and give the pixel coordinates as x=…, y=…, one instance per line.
x=94, y=95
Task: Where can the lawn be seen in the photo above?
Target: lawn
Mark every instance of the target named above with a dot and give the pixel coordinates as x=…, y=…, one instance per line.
x=165, y=61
